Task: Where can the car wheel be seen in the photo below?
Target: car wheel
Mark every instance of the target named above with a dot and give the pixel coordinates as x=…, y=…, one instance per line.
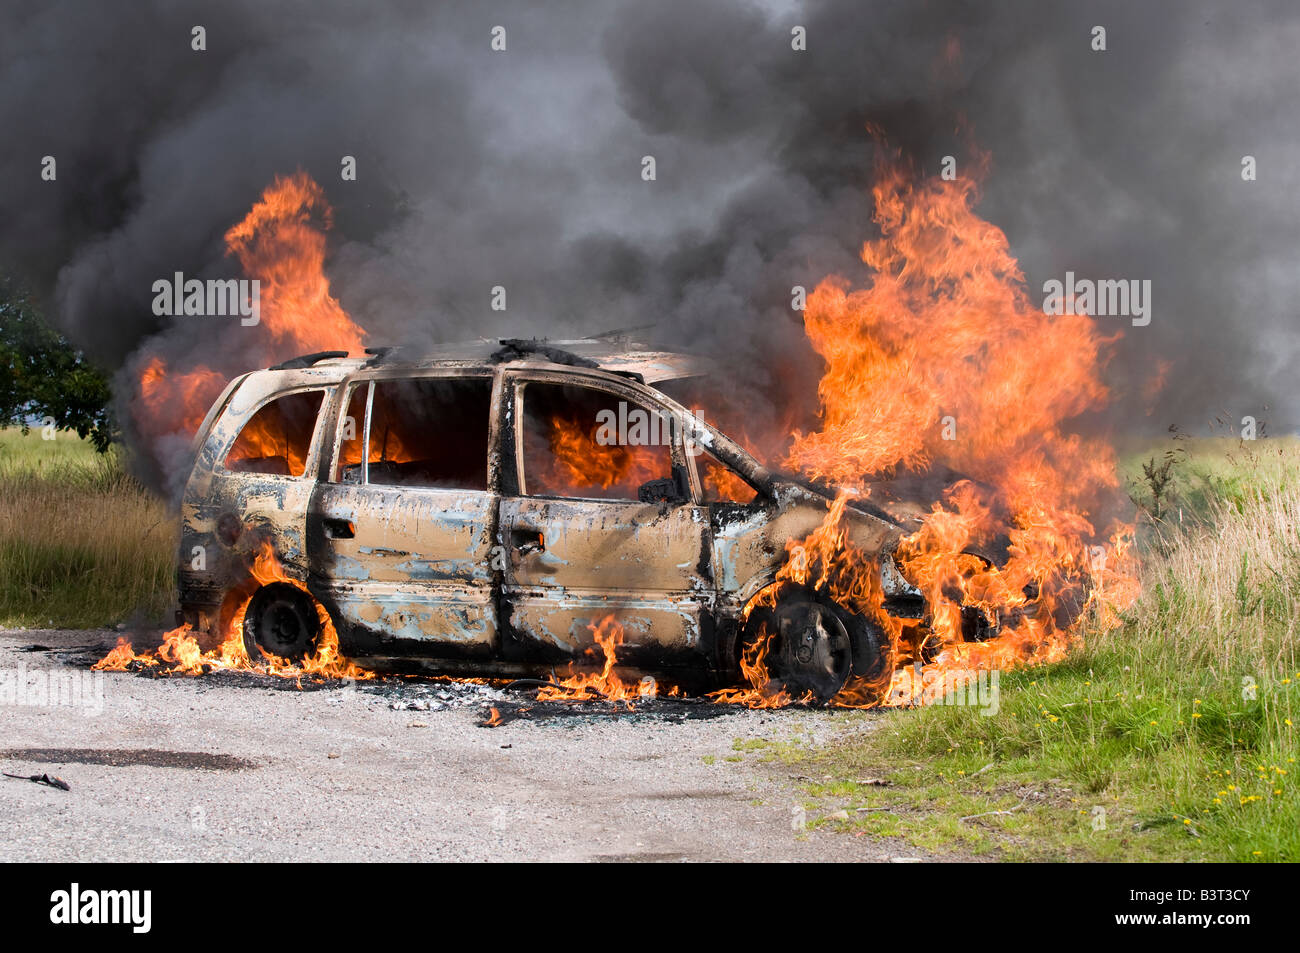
x=282, y=621
x=868, y=641
x=810, y=652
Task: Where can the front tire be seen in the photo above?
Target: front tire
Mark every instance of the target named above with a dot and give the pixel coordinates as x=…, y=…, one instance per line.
x=809, y=652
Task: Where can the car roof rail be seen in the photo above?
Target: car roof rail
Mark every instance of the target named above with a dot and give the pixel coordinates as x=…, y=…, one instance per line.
x=514, y=349
x=307, y=360
x=380, y=355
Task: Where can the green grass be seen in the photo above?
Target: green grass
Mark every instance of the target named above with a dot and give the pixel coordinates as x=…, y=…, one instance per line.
x=82, y=543
x=1207, y=475
x=1172, y=737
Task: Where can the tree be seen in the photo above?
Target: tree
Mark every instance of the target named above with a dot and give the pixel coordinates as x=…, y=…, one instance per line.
x=43, y=376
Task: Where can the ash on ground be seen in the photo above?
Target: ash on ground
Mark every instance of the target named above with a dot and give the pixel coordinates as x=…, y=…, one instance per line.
x=414, y=693
x=515, y=704
x=418, y=693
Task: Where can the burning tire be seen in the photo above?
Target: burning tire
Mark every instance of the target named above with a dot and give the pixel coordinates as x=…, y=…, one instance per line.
x=282, y=621
x=808, y=647
x=870, y=656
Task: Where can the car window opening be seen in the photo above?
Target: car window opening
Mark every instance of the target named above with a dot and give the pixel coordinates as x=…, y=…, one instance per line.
x=424, y=432
x=277, y=438
x=721, y=484
x=587, y=444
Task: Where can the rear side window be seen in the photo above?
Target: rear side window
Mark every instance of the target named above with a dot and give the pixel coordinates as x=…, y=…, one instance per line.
x=429, y=432
x=277, y=439
x=587, y=444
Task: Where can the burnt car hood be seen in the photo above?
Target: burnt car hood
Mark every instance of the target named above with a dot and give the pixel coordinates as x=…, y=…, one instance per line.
x=903, y=500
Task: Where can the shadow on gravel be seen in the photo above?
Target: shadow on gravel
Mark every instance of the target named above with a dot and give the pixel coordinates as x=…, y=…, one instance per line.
x=130, y=758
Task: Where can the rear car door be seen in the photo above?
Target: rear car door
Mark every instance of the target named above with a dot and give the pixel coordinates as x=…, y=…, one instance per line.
x=251, y=485
x=401, y=531
x=599, y=522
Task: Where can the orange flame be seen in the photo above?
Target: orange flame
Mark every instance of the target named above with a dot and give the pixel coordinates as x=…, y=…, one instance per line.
x=606, y=684
x=281, y=243
x=579, y=462
x=942, y=364
x=720, y=483
x=759, y=691
x=181, y=654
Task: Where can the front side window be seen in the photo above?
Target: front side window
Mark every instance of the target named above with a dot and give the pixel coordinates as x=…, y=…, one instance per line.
x=721, y=484
x=423, y=432
x=277, y=439
x=584, y=443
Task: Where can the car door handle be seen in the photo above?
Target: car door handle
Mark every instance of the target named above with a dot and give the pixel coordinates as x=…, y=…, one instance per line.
x=527, y=541
x=339, y=529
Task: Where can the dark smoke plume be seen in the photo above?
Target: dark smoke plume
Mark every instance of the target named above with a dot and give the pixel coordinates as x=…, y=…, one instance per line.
x=523, y=168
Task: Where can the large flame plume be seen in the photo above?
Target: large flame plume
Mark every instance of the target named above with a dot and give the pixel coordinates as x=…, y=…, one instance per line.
x=940, y=364
x=281, y=243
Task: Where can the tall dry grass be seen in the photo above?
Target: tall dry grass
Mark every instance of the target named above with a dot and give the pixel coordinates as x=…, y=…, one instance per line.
x=1226, y=594
x=1181, y=727
x=82, y=543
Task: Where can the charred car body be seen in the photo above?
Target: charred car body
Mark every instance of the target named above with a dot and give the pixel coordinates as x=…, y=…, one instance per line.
x=480, y=510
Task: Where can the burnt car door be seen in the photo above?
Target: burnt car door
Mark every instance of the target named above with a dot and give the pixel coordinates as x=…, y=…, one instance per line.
x=402, y=525
x=596, y=519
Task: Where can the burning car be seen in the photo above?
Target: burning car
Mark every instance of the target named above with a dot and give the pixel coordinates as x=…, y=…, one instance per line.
x=481, y=509
x=501, y=507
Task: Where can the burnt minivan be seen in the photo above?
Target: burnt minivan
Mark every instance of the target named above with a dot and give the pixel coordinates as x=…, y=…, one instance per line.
x=481, y=509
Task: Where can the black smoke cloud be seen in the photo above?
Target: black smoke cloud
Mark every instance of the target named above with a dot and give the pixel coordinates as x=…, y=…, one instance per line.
x=523, y=168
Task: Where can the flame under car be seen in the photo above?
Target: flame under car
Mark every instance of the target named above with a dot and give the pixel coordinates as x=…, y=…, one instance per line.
x=480, y=510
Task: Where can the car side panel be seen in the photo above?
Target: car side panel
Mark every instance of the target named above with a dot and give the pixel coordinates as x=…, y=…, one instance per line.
x=647, y=564
x=416, y=578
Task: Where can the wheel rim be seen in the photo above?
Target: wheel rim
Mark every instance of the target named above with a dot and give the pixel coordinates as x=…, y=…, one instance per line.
x=812, y=652
x=282, y=621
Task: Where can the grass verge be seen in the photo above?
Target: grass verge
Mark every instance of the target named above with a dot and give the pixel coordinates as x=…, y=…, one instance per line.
x=1173, y=737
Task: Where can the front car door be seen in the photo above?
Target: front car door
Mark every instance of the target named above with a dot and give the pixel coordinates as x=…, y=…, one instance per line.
x=402, y=528
x=596, y=520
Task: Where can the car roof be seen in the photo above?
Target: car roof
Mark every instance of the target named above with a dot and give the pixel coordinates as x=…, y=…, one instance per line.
x=614, y=356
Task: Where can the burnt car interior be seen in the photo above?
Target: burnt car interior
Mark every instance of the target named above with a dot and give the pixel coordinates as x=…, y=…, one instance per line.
x=430, y=432
x=421, y=432
x=278, y=437
x=568, y=452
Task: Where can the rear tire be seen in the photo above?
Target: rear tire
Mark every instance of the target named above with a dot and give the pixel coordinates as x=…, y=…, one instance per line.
x=282, y=621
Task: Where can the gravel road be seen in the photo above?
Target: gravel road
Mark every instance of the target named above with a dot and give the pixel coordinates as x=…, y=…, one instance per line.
x=233, y=767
